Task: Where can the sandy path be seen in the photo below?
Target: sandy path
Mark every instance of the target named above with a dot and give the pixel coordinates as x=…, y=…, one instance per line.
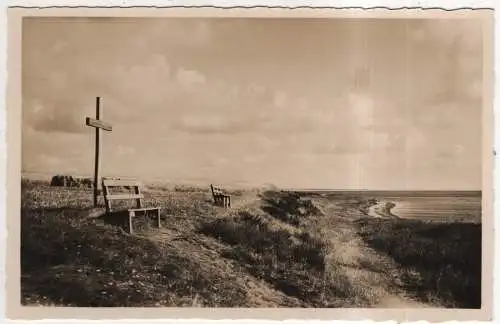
x=374, y=277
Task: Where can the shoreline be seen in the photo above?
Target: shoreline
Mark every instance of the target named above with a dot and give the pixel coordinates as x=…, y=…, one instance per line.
x=383, y=209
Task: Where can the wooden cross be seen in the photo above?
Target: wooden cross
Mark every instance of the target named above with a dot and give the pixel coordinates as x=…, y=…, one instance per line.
x=98, y=125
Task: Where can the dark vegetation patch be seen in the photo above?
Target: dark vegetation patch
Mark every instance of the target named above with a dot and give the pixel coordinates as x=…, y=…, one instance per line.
x=439, y=261
x=68, y=260
x=77, y=263
x=288, y=207
x=293, y=263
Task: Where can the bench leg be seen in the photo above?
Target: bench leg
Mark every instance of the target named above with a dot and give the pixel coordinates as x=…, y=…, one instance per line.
x=131, y=215
x=158, y=219
x=229, y=201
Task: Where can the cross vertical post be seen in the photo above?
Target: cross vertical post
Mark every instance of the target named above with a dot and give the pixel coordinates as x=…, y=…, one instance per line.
x=98, y=124
x=97, y=160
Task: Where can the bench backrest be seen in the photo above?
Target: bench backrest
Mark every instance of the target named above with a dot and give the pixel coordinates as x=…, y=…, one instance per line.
x=217, y=191
x=109, y=183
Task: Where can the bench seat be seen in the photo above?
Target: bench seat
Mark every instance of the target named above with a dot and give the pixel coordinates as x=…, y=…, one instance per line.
x=144, y=209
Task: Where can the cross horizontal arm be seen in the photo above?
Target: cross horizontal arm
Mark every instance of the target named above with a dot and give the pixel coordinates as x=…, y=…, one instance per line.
x=98, y=124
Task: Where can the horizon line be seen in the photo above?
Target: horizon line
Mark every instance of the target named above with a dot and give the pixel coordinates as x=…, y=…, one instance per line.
x=255, y=185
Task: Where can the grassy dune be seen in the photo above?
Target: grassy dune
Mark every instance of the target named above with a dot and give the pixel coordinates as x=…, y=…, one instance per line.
x=439, y=262
x=272, y=249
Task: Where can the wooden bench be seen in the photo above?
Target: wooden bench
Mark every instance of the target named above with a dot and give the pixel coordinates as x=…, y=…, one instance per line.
x=221, y=198
x=109, y=183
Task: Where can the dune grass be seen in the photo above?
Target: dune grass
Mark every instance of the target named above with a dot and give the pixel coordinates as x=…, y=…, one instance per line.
x=291, y=263
x=73, y=261
x=76, y=263
x=287, y=206
x=274, y=244
x=266, y=255
x=440, y=262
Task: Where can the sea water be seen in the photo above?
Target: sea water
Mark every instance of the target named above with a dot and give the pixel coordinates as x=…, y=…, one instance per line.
x=443, y=206
x=437, y=208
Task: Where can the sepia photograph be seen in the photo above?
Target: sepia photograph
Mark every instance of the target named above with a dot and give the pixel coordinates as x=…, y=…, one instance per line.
x=308, y=162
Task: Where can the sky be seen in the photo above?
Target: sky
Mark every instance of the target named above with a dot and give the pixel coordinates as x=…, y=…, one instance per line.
x=298, y=103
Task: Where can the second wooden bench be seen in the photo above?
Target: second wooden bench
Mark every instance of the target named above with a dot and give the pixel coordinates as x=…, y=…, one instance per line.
x=221, y=198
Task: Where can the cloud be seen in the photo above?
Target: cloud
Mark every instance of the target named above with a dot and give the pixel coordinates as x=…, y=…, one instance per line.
x=280, y=99
x=252, y=109
x=206, y=124
x=361, y=79
x=189, y=78
x=361, y=109
x=55, y=151
x=448, y=31
x=177, y=87
x=146, y=84
x=185, y=33
x=60, y=46
x=44, y=117
x=125, y=150
x=456, y=48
